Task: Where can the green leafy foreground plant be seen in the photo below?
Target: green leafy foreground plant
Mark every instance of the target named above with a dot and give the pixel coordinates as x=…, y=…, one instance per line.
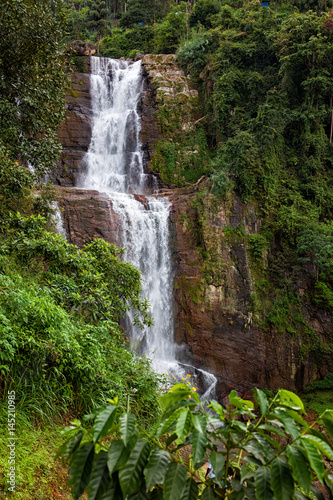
x=268, y=453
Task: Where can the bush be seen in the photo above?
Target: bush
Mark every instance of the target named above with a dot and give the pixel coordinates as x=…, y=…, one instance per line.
x=267, y=452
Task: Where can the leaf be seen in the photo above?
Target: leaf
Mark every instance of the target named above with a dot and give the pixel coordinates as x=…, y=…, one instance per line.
x=209, y=494
x=262, y=401
x=217, y=408
x=328, y=423
x=262, y=483
x=99, y=478
x=168, y=423
x=67, y=449
x=289, y=423
x=171, y=439
x=199, y=444
x=282, y=482
x=200, y=422
x=239, y=402
x=80, y=469
x=217, y=460
x=103, y=422
x=127, y=426
x=117, y=456
x=288, y=396
x=272, y=428
x=322, y=446
x=300, y=467
x=177, y=393
x=190, y=404
x=174, y=482
x=246, y=473
x=131, y=475
x=314, y=457
x=183, y=424
x=191, y=490
x=156, y=467
x=254, y=448
x=264, y=444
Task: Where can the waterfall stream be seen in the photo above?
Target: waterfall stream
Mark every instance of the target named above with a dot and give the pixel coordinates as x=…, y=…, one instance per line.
x=114, y=166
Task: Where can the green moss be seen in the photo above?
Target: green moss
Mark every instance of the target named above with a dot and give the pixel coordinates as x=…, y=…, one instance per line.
x=73, y=93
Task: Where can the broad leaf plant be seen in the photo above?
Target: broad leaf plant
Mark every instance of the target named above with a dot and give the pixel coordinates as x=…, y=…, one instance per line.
x=261, y=451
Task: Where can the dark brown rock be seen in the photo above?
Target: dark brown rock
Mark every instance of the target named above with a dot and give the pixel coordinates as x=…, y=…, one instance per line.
x=75, y=132
x=83, y=48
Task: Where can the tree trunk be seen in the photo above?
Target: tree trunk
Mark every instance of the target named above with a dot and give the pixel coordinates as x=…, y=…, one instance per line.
x=293, y=6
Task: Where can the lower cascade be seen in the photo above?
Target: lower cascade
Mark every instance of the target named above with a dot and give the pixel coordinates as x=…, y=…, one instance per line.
x=114, y=165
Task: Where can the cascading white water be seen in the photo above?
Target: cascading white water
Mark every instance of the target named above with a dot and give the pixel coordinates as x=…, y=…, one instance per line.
x=114, y=165
x=58, y=221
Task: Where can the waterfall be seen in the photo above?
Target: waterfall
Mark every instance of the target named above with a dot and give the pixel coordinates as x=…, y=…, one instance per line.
x=58, y=220
x=114, y=165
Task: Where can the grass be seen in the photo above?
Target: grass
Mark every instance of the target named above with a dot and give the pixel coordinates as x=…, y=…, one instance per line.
x=39, y=476
x=318, y=402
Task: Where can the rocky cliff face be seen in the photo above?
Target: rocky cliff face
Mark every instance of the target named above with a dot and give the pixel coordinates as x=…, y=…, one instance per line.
x=75, y=132
x=222, y=291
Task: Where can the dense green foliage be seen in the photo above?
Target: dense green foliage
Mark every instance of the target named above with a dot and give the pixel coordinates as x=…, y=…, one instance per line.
x=267, y=452
x=61, y=346
x=266, y=82
x=33, y=73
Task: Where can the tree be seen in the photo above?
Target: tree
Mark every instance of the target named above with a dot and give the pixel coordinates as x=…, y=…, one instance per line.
x=270, y=453
x=97, y=18
x=145, y=11
x=33, y=76
x=203, y=11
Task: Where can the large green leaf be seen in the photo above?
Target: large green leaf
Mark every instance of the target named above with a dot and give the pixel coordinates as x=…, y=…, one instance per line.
x=183, y=403
x=80, y=469
x=67, y=449
x=272, y=428
x=262, y=481
x=289, y=423
x=200, y=422
x=191, y=490
x=103, y=422
x=131, y=475
x=255, y=449
x=174, y=482
x=263, y=442
x=300, y=468
x=166, y=424
x=314, y=457
x=127, y=426
x=117, y=455
x=199, y=444
x=217, y=460
x=282, y=482
x=156, y=468
x=217, y=408
x=209, y=494
x=291, y=399
x=177, y=393
x=100, y=478
x=322, y=445
x=239, y=402
x=183, y=424
x=262, y=401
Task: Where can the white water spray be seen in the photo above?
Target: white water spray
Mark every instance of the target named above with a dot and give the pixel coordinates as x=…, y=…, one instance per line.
x=114, y=165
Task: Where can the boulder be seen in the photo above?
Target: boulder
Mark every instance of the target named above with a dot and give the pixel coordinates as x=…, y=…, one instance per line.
x=83, y=48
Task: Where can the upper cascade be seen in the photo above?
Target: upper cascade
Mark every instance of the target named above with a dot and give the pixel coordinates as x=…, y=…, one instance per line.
x=115, y=160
